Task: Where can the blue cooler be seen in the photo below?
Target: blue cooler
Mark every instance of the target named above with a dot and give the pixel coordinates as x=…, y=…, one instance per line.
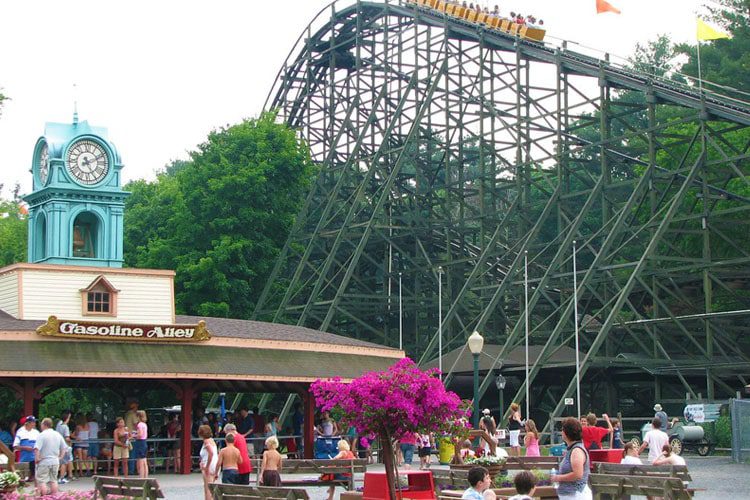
x=326, y=447
x=557, y=450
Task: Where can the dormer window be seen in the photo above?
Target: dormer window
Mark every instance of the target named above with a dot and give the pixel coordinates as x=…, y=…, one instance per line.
x=99, y=298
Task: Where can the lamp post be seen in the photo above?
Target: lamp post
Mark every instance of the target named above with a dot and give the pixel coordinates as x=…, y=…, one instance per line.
x=440, y=321
x=500, y=384
x=476, y=342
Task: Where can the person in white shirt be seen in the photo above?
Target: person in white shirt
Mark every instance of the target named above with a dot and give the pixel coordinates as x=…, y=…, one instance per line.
x=655, y=439
x=48, y=450
x=630, y=454
x=669, y=458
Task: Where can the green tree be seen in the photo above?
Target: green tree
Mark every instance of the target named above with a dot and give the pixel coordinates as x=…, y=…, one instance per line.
x=220, y=219
x=13, y=229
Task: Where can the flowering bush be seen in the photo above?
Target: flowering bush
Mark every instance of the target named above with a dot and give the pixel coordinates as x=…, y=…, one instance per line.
x=63, y=495
x=485, y=460
x=392, y=404
x=9, y=480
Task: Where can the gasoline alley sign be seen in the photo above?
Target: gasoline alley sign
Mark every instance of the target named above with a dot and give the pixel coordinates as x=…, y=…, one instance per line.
x=55, y=327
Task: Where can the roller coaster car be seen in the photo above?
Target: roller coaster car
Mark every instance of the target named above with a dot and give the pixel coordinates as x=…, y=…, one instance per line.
x=535, y=34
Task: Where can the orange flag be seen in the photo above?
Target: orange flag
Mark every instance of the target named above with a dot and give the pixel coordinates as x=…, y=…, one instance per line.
x=604, y=6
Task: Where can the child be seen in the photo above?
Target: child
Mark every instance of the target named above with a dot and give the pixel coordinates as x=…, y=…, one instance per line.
x=479, y=485
x=425, y=449
x=525, y=483
x=630, y=455
x=230, y=459
x=615, y=439
x=531, y=439
x=466, y=450
x=271, y=466
x=345, y=453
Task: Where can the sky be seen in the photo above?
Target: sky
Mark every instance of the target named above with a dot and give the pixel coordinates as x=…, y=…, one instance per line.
x=160, y=75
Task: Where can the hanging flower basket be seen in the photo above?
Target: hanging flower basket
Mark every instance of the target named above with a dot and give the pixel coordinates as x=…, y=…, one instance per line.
x=9, y=482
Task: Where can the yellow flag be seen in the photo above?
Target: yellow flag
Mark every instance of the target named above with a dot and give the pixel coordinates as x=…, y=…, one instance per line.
x=706, y=32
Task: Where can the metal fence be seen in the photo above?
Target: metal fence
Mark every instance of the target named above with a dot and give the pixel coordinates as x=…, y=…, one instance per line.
x=740, y=430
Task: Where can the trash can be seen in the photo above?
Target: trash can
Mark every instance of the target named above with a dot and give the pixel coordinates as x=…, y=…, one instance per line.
x=446, y=450
x=326, y=447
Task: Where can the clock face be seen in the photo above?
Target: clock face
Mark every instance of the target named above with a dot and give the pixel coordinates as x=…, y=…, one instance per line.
x=87, y=162
x=44, y=163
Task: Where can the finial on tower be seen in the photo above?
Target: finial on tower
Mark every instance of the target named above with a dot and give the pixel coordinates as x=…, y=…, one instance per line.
x=75, y=104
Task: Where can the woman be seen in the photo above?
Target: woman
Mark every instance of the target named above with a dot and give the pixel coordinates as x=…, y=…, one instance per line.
x=531, y=439
x=487, y=423
x=574, y=469
x=81, y=445
x=514, y=428
x=668, y=458
x=344, y=453
x=327, y=426
x=272, y=427
x=209, y=459
x=140, y=447
x=121, y=446
x=630, y=454
x=174, y=432
x=407, y=443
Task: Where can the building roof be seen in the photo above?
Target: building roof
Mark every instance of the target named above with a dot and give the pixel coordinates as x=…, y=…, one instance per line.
x=461, y=361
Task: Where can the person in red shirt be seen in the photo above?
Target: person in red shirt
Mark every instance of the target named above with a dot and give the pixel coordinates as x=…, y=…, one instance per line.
x=593, y=435
x=245, y=467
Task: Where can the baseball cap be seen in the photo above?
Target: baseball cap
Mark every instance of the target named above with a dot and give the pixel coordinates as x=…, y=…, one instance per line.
x=30, y=418
x=486, y=411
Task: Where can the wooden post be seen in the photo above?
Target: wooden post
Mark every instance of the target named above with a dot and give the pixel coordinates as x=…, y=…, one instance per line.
x=28, y=397
x=187, y=423
x=309, y=425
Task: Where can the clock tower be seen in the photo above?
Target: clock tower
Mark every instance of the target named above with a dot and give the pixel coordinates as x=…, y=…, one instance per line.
x=76, y=204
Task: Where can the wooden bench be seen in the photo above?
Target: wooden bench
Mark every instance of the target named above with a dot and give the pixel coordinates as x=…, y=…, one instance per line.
x=528, y=463
x=454, y=477
x=236, y=491
x=128, y=487
x=610, y=486
x=678, y=471
x=318, y=467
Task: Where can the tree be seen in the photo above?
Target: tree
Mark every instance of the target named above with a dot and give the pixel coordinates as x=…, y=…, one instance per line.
x=3, y=98
x=220, y=219
x=13, y=229
x=391, y=404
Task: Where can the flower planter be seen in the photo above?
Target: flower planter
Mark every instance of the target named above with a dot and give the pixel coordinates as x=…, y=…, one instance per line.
x=494, y=469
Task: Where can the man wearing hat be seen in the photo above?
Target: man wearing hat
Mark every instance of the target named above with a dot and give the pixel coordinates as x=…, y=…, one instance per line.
x=24, y=442
x=662, y=416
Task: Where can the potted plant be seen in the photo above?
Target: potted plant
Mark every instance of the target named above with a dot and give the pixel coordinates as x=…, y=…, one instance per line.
x=494, y=465
x=9, y=481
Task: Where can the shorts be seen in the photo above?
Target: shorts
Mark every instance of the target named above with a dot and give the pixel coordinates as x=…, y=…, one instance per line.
x=140, y=448
x=408, y=451
x=120, y=452
x=514, y=438
x=425, y=451
x=67, y=457
x=47, y=473
x=243, y=478
x=230, y=476
x=271, y=478
x=94, y=450
x=586, y=494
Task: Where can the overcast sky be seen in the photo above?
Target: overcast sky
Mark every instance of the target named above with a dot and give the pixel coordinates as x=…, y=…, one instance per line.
x=162, y=74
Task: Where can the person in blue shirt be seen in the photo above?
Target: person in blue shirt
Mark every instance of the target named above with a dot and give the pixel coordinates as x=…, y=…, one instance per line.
x=5, y=436
x=479, y=485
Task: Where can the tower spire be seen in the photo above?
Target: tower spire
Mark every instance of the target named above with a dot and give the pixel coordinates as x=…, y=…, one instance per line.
x=75, y=104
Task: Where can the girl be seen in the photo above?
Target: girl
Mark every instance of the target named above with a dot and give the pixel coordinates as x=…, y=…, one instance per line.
x=121, y=448
x=81, y=445
x=344, y=453
x=668, y=458
x=630, y=454
x=209, y=459
x=514, y=428
x=140, y=448
x=270, y=468
x=531, y=439
x=487, y=423
x=424, y=441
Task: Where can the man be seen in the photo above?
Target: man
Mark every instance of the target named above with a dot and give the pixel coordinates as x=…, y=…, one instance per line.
x=131, y=421
x=49, y=449
x=24, y=442
x=593, y=435
x=479, y=482
x=662, y=416
x=245, y=467
x=655, y=439
x=66, y=464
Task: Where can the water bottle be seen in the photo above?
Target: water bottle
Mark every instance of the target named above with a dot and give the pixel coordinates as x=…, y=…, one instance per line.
x=551, y=473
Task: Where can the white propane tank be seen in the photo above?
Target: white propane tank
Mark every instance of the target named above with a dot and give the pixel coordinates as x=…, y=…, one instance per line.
x=689, y=432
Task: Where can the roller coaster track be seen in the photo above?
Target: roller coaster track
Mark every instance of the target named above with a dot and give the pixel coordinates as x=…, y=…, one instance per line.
x=448, y=147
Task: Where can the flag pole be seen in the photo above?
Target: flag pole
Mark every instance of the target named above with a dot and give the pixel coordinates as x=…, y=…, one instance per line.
x=526, y=300
x=575, y=308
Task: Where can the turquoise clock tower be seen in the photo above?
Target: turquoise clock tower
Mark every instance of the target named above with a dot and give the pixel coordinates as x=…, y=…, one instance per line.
x=76, y=205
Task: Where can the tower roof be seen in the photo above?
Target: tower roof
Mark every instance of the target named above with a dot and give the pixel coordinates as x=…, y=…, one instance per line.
x=59, y=135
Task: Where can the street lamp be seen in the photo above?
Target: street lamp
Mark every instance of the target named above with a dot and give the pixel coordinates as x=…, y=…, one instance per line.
x=476, y=342
x=500, y=384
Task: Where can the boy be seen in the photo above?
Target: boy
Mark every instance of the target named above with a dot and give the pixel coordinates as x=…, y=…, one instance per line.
x=615, y=439
x=525, y=483
x=479, y=485
x=230, y=459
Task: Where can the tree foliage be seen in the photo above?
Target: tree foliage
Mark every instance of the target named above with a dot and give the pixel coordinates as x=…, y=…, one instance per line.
x=13, y=232
x=220, y=219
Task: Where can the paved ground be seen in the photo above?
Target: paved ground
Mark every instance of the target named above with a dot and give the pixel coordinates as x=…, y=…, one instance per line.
x=719, y=476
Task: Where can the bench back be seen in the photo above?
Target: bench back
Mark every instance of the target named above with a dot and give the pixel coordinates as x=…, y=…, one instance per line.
x=452, y=477
x=678, y=471
x=127, y=487
x=670, y=488
x=235, y=491
x=528, y=463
